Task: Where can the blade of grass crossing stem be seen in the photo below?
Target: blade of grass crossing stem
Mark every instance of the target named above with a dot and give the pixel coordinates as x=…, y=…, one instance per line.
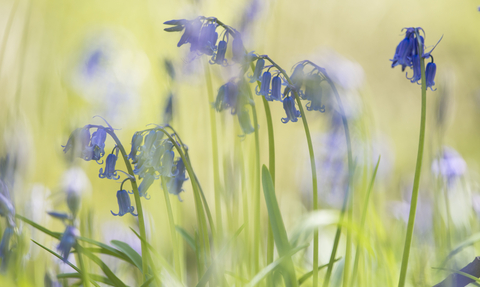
x=206, y=277
x=132, y=254
x=56, y=235
x=98, y=278
x=363, y=218
x=307, y=275
x=187, y=237
x=108, y=272
x=459, y=272
x=278, y=228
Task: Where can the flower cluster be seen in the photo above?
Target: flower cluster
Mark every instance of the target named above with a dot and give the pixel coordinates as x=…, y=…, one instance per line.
x=154, y=157
x=201, y=34
x=89, y=147
x=409, y=53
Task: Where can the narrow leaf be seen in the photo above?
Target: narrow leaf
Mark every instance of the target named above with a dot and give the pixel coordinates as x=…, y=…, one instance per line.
x=128, y=250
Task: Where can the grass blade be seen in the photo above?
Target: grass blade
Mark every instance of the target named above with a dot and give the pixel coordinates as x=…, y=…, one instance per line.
x=128, y=250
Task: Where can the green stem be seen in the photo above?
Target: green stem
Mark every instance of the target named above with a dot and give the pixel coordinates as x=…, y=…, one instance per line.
x=138, y=203
x=213, y=128
x=84, y=273
x=173, y=234
x=416, y=181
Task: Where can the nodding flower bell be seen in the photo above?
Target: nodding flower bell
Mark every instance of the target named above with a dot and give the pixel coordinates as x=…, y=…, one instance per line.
x=98, y=144
x=167, y=163
x=7, y=209
x=124, y=204
x=417, y=73
x=403, y=53
x=78, y=144
x=244, y=121
x=145, y=184
x=68, y=240
x=298, y=76
x=276, y=89
x=207, y=39
x=220, y=54
x=174, y=184
x=258, y=70
x=313, y=93
x=265, y=87
x=137, y=140
x=430, y=72
x=110, y=172
x=290, y=110
x=227, y=97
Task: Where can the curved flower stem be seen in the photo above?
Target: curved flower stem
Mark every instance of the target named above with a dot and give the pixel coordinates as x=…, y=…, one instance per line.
x=213, y=128
x=202, y=223
x=138, y=203
x=416, y=181
x=256, y=199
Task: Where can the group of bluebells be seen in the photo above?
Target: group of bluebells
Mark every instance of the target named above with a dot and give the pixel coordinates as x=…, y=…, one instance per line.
x=408, y=54
x=152, y=156
x=234, y=95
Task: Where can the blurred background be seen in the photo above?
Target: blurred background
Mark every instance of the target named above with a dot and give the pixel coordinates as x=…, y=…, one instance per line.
x=64, y=62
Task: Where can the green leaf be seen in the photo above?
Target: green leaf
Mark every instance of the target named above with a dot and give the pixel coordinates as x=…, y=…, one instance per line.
x=56, y=235
x=278, y=228
x=187, y=237
x=150, y=280
x=459, y=272
x=132, y=254
x=309, y=274
x=57, y=255
x=116, y=281
x=206, y=277
x=98, y=278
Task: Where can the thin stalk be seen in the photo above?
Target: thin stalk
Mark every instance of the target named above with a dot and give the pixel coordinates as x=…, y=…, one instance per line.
x=362, y=221
x=256, y=199
x=173, y=233
x=416, y=181
x=350, y=177
x=138, y=203
x=213, y=128
x=84, y=273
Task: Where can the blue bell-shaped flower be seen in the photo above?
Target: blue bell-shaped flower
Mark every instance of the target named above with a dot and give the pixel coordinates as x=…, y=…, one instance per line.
x=124, y=204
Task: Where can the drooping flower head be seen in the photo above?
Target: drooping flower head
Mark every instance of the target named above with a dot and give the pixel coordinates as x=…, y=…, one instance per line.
x=265, y=85
x=313, y=93
x=290, y=110
x=124, y=204
x=174, y=184
x=110, y=171
x=68, y=240
x=430, y=72
x=227, y=97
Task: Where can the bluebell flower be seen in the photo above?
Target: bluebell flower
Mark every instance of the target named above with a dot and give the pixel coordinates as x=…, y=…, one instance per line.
x=191, y=34
x=7, y=209
x=220, y=54
x=417, y=74
x=430, y=72
x=276, y=89
x=174, y=184
x=5, y=246
x=167, y=163
x=404, y=51
x=258, y=70
x=297, y=77
x=290, y=110
x=137, y=141
x=145, y=185
x=449, y=164
x=78, y=144
x=244, y=121
x=265, y=87
x=227, y=97
x=124, y=204
x=68, y=240
x=208, y=39
x=98, y=144
x=109, y=172
x=313, y=93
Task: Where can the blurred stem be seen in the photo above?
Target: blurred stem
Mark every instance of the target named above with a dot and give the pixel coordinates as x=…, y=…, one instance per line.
x=416, y=181
x=173, y=234
x=6, y=33
x=213, y=128
x=138, y=203
x=362, y=221
x=85, y=279
x=348, y=189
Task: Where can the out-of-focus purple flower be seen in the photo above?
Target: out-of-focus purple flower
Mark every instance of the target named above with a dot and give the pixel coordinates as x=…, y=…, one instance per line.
x=227, y=97
x=313, y=93
x=220, y=53
x=68, y=240
x=137, y=140
x=244, y=121
x=5, y=246
x=430, y=72
x=290, y=110
x=124, y=204
x=168, y=112
x=258, y=70
x=59, y=215
x=6, y=206
x=238, y=50
x=78, y=144
x=178, y=25
x=191, y=34
x=109, y=172
x=298, y=76
x=208, y=39
x=449, y=164
x=174, y=184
